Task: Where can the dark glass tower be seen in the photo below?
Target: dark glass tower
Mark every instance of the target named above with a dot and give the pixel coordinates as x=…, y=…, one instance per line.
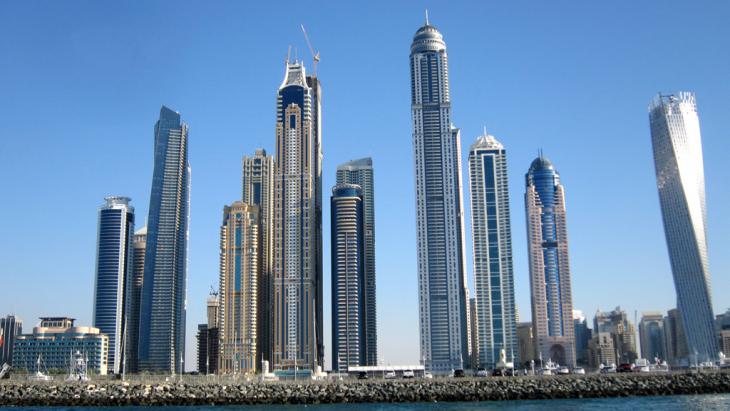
x=360, y=172
x=113, y=273
x=348, y=277
x=134, y=301
x=162, y=318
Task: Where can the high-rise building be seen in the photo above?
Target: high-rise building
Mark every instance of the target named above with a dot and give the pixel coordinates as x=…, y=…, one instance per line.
x=492, y=236
x=208, y=342
x=550, y=283
x=360, y=172
x=135, y=300
x=651, y=336
x=10, y=327
x=582, y=337
x=675, y=340
x=601, y=349
x=240, y=266
x=258, y=190
x=348, y=277
x=162, y=312
x=677, y=146
x=297, y=267
x=442, y=283
x=55, y=340
x=202, y=349
x=213, y=309
x=473, y=334
x=526, y=344
x=616, y=323
x=725, y=340
x=114, y=266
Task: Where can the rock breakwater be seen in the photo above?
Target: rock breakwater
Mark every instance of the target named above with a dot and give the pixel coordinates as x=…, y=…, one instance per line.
x=467, y=389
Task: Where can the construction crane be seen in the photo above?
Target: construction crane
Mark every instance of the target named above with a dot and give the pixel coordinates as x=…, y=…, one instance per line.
x=315, y=56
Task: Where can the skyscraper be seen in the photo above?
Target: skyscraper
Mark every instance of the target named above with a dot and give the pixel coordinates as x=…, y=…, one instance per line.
x=492, y=236
x=442, y=281
x=162, y=313
x=582, y=337
x=677, y=145
x=547, y=244
x=360, y=172
x=297, y=275
x=240, y=266
x=651, y=336
x=258, y=190
x=10, y=327
x=113, y=272
x=134, y=301
x=348, y=277
x=675, y=339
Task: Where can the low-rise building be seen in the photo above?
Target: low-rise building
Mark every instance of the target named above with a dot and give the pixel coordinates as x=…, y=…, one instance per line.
x=54, y=342
x=601, y=350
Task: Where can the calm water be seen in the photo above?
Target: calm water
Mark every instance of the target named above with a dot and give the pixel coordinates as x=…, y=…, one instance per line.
x=690, y=402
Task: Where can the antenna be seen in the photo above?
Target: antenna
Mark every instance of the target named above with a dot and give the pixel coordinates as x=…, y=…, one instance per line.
x=288, y=54
x=485, y=131
x=315, y=56
x=427, y=17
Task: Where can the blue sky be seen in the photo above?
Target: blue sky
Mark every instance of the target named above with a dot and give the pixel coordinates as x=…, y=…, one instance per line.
x=81, y=85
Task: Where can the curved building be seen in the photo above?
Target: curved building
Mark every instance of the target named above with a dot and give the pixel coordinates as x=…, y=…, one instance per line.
x=550, y=284
x=677, y=145
x=442, y=284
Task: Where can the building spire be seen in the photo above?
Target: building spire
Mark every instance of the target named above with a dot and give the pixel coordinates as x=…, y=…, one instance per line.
x=427, y=17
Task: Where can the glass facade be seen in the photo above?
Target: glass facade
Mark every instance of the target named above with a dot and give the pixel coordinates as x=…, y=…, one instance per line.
x=162, y=318
x=113, y=273
x=492, y=236
x=348, y=277
x=442, y=285
x=550, y=282
x=677, y=147
x=360, y=172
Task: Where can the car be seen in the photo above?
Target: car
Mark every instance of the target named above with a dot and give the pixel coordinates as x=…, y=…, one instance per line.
x=362, y=375
x=408, y=374
x=459, y=373
x=579, y=371
x=608, y=369
x=642, y=368
x=389, y=375
x=497, y=372
x=427, y=375
x=481, y=372
x=563, y=370
x=624, y=368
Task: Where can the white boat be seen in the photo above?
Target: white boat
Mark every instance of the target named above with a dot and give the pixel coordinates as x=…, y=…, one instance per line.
x=78, y=369
x=39, y=375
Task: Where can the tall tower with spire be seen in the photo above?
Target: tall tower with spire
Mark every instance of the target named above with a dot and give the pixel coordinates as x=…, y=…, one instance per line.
x=297, y=229
x=442, y=283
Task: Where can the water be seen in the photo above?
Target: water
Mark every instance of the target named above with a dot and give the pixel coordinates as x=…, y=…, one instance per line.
x=715, y=402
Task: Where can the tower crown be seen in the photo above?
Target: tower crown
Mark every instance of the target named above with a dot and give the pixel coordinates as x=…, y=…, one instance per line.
x=427, y=38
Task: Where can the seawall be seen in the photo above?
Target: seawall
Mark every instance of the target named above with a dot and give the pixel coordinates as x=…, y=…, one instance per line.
x=14, y=393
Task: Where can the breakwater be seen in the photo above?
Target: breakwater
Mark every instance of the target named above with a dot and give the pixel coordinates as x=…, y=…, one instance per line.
x=350, y=391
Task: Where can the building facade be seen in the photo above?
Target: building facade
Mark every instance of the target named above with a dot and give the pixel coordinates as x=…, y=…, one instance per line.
x=677, y=147
x=297, y=267
x=258, y=190
x=582, y=337
x=442, y=284
x=163, y=302
x=10, y=327
x=134, y=300
x=348, y=277
x=360, y=172
x=492, y=237
x=240, y=266
x=550, y=282
x=622, y=331
x=473, y=334
x=601, y=350
x=675, y=340
x=651, y=336
x=53, y=343
x=526, y=344
x=114, y=270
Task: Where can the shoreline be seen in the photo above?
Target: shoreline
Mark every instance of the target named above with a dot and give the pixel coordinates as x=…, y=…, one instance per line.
x=116, y=393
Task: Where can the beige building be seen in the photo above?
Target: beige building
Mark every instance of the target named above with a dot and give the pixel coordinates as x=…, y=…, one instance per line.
x=239, y=271
x=725, y=339
x=526, y=344
x=601, y=350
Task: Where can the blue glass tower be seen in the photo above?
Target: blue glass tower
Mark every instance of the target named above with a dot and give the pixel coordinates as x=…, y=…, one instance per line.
x=162, y=315
x=113, y=275
x=550, y=283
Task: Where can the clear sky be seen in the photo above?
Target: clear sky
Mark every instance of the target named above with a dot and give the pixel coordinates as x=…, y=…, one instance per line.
x=82, y=82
